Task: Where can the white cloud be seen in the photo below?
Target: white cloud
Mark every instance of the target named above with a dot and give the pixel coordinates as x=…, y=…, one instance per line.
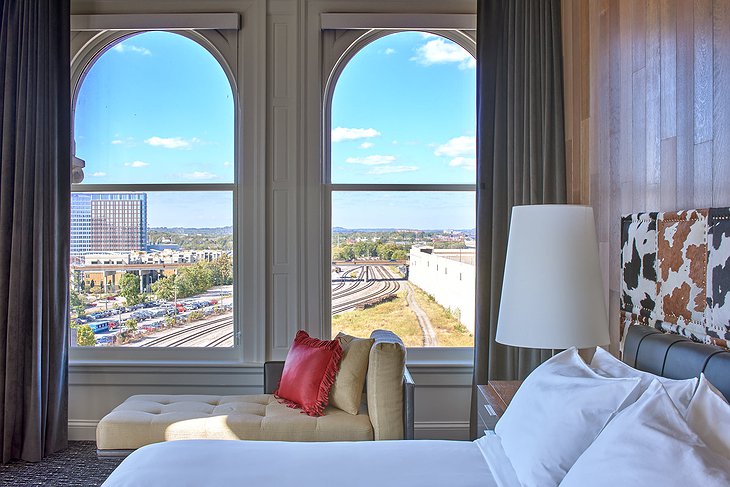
x=389, y=51
x=462, y=150
x=200, y=175
x=341, y=133
x=227, y=163
x=121, y=47
x=125, y=141
x=172, y=142
x=366, y=145
x=136, y=164
x=428, y=35
x=458, y=146
x=98, y=174
x=392, y=169
x=374, y=160
x=465, y=162
x=440, y=51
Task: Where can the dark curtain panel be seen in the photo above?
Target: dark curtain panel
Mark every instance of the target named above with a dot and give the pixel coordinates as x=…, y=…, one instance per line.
x=34, y=226
x=520, y=155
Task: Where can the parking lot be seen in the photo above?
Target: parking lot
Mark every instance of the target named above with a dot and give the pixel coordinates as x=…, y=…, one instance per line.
x=154, y=315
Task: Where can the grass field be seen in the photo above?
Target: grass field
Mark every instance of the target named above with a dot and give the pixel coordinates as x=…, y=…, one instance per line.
x=449, y=330
x=398, y=317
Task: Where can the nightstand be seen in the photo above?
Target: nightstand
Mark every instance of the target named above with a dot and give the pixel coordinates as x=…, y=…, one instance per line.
x=493, y=398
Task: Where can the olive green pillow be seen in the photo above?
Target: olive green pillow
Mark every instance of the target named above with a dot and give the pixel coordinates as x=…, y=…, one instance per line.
x=346, y=393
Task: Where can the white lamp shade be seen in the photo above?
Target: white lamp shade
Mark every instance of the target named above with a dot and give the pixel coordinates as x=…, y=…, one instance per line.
x=552, y=293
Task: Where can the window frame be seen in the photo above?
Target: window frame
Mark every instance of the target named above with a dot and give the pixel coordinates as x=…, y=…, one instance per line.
x=82, y=61
x=425, y=355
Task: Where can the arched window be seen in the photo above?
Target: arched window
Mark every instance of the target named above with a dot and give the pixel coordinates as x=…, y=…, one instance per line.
x=402, y=178
x=152, y=227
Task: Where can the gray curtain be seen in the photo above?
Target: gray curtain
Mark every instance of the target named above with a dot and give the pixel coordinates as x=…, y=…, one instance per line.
x=520, y=155
x=34, y=226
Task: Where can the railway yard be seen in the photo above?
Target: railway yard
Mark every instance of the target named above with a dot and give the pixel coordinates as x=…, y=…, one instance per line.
x=357, y=286
x=353, y=287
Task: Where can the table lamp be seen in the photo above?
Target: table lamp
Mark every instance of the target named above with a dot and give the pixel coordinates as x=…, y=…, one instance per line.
x=552, y=292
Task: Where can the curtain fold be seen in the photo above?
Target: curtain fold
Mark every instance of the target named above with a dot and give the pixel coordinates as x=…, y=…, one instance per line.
x=520, y=156
x=35, y=148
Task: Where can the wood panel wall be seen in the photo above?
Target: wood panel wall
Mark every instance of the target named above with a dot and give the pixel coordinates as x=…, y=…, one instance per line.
x=647, y=112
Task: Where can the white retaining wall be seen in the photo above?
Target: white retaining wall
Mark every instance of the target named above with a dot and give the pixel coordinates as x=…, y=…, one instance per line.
x=448, y=280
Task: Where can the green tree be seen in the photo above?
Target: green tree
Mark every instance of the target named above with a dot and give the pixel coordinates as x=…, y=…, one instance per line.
x=343, y=252
x=166, y=288
x=194, y=279
x=129, y=288
x=76, y=302
x=223, y=266
x=221, y=270
x=190, y=280
x=400, y=254
x=85, y=337
x=131, y=324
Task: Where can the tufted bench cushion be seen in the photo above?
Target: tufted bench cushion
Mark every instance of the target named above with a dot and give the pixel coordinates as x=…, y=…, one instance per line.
x=145, y=419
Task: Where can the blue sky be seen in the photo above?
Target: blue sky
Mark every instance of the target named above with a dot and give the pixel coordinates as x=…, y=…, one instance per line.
x=403, y=112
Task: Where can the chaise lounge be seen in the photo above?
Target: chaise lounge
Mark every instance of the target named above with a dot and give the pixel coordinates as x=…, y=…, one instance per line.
x=385, y=413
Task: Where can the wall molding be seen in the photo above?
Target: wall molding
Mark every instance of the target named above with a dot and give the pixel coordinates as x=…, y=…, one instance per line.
x=82, y=429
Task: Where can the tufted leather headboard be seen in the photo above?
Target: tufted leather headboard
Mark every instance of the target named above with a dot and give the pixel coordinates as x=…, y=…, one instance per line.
x=676, y=357
x=675, y=273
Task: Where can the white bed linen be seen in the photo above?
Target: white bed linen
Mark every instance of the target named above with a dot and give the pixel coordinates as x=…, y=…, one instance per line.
x=649, y=444
x=499, y=464
x=221, y=463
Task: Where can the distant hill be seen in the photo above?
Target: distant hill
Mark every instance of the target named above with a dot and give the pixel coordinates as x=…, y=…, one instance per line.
x=382, y=230
x=194, y=231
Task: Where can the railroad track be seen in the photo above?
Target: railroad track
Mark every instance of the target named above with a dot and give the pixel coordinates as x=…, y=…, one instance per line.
x=181, y=333
x=181, y=341
x=220, y=340
x=350, y=284
x=390, y=287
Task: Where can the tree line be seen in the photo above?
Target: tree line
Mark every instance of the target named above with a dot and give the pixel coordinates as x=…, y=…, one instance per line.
x=364, y=249
x=195, y=279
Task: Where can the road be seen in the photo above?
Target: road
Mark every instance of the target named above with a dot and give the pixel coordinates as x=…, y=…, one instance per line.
x=429, y=334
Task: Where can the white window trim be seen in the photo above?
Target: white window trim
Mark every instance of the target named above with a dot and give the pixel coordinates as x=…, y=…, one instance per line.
x=138, y=22
x=449, y=356
x=367, y=21
x=248, y=346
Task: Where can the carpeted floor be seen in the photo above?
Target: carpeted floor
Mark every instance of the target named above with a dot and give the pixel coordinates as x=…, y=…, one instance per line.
x=76, y=466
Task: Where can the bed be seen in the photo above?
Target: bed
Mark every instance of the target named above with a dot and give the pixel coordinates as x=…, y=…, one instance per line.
x=660, y=414
x=483, y=462
x=247, y=463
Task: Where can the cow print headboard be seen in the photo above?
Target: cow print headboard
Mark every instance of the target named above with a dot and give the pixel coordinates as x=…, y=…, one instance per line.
x=675, y=273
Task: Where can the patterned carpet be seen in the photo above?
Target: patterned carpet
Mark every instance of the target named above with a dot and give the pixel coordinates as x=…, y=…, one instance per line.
x=76, y=466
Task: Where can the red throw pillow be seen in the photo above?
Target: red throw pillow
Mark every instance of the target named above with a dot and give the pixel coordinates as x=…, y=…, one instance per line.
x=309, y=373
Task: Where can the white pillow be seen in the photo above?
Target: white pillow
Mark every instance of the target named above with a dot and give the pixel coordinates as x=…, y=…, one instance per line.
x=709, y=416
x=556, y=414
x=680, y=391
x=649, y=443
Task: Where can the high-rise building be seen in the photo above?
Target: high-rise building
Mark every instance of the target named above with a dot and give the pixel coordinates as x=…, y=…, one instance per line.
x=80, y=223
x=108, y=222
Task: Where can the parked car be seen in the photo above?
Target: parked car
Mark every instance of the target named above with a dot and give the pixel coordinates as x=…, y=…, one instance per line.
x=104, y=339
